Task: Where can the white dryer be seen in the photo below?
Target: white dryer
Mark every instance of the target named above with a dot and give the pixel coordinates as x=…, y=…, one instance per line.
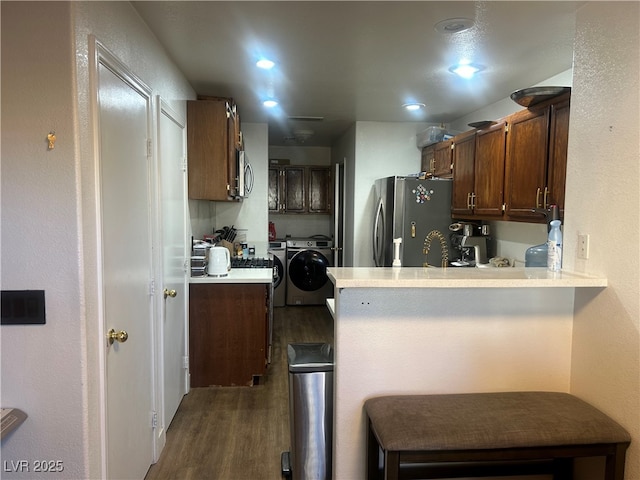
x=278, y=249
x=307, y=262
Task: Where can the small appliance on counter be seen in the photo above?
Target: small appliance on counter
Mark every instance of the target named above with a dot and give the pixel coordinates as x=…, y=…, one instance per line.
x=471, y=240
x=219, y=262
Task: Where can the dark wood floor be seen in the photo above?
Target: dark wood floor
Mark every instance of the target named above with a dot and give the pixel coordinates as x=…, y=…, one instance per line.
x=239, y=433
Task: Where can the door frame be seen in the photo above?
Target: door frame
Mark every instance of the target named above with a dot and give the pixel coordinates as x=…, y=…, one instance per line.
x=101, y=55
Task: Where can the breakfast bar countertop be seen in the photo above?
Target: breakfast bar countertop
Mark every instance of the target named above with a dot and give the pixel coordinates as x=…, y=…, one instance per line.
x=421, y=277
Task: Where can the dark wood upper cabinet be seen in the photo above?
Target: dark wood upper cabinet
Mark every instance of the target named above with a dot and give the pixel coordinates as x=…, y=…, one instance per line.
x=537, y=160
x=437, y=158
x=295, y=190
x=519, y=165
x=464, y=153
x=213, y=137
x=478, y=173
x=300, y=189
x=558, y=147
x=489, y=171
x=427, y=159
x=442, y=159
x=527, y=147
x=275, y=189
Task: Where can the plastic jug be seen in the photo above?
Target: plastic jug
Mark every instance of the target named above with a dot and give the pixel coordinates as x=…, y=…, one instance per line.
x=554, y=246
x=536, y=256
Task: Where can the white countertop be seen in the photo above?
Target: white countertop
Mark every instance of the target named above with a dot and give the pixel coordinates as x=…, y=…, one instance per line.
x=420, y=277
x=239, y=275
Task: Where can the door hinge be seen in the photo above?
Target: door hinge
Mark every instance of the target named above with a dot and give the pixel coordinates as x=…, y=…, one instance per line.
x=149, y=148
x=154, y=419
x=183, y=165
x=152, y=287
x=185, y=362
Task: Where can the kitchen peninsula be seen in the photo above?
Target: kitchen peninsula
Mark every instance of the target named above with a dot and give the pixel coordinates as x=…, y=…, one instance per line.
x=454, y=330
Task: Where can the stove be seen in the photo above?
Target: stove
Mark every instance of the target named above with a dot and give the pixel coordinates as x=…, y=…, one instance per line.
x=251, y=263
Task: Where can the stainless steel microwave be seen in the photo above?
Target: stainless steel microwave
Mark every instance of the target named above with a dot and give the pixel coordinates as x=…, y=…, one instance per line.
x=245, y=176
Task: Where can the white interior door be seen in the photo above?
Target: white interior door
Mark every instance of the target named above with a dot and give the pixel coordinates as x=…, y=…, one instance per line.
x=124, y=116
x=171, y=151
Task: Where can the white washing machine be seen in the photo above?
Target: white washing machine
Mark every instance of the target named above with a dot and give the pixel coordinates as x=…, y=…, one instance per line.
x=278, y=248
x=307, y=280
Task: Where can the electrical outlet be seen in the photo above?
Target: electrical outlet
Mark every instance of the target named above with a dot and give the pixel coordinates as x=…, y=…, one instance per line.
x=583, y=246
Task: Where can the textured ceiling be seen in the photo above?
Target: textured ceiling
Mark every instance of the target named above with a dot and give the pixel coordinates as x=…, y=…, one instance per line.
x=344, y=61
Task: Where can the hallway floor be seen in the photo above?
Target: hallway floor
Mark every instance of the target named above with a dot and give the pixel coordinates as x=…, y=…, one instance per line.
x=239, y=433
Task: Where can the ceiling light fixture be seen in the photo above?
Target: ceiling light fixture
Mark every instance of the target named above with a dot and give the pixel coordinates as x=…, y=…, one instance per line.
x=466, y=70
x=265, y=64
x=413, y=106
x=270, y=103
x=453, y=25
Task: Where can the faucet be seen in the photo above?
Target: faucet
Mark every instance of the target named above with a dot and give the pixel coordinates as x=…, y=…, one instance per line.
x=443, y=247
x=479, y=245
x=550, y=214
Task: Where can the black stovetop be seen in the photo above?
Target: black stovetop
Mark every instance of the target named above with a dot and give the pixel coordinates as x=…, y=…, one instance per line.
x=251, y=263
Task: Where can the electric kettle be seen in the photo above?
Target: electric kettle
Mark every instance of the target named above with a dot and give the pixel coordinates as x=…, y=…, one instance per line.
x=219, y=262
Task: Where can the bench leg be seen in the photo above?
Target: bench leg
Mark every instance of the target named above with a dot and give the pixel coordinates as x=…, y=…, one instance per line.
x=614, y=467
x=373, y=455
x=391, y=465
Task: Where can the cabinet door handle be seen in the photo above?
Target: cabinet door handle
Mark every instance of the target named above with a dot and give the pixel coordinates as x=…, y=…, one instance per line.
x=469, y=201
x=538, y=197
x=546, y=198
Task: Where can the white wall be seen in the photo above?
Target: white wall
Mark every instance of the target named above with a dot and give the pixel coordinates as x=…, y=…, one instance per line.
x=43, y=366
x=301, y=225
x=344, y=152
x=381, y=149
x=250, y=216
x=49, y=229
x=602, y=198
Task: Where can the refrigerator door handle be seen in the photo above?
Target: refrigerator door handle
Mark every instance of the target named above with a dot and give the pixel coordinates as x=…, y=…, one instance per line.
x=378, y=243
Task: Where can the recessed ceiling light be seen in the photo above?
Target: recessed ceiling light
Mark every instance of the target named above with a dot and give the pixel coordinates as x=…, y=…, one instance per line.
x=270, y=103
x=413, y=106
x=265, y=64
x=466, y=70
x=453, y=25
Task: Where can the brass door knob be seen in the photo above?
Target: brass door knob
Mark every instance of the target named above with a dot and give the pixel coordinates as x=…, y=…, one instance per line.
x=114, y=336
x=169, y=293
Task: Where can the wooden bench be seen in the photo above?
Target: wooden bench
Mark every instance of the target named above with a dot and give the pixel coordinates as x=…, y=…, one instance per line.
x=488, y=434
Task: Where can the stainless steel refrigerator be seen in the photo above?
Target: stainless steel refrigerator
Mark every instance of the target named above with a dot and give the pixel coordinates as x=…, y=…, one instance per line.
x=412, y=209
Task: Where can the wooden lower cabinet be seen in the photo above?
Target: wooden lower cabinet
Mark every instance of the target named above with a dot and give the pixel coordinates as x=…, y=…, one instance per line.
x=228, y=328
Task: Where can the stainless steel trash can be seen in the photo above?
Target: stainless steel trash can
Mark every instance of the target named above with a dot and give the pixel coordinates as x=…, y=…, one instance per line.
x=310, y=411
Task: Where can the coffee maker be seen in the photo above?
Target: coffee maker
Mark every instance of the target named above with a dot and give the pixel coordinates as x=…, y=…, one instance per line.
x=470, y=238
